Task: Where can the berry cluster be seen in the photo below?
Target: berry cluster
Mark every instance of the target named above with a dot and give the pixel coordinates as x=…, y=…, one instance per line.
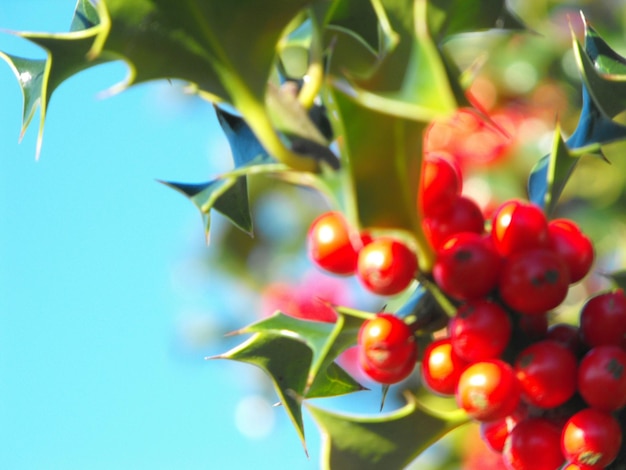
x=384, y=265
x=545, y=396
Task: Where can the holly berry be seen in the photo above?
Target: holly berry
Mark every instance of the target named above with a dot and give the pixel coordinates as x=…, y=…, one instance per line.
x=534, y=281
x=467, y=266
x=546, y=371
x=573, y=246
x=567, y=335
x=464, y=216
x=603, y=319
x=518, y=226
x=442, y=367
x=441, y=184
x=480, y=330
x=387, y=348
x=591, y=438
x=533, y=444
x=386, y=266
x=488, y=390
x=494, y=433
x=602, y=378
x=332, y=245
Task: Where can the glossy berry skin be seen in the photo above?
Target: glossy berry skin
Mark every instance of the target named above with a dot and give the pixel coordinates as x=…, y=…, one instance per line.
x=494, y=433
x=534, y=281
x=441, y=184
x=464, y=216
x=533, y=444
x=332, y=245
x=386, y=342
x=602, y=378
x=386, y=266
x=467, y=266
x=573, y=246
x=442, y=367
x=386, y=376
x=592, y=438
x=518, y=226
x=547, y=373
x=480, y=330
x=603, y=319
x=488, y=390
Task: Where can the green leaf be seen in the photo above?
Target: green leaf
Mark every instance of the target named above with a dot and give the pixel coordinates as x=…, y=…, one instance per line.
x=450, y=17
x=618, y=278
x=67, y=54
x=389, y=440
x=298, y=357
x=227, y=195
x=412, y=80
x=383, y=156
x=603, y=71
x=603, y=98
x=286, y=361
x=326, y=340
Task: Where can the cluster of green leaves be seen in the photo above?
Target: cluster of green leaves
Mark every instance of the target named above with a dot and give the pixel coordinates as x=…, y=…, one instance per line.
x=278, y=74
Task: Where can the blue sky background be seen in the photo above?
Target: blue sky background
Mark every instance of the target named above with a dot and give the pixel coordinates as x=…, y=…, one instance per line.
x=99, y=296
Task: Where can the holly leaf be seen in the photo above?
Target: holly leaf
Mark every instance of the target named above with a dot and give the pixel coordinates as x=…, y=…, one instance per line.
x=450, y=17
x=396, y=87
x=387, y=440
x=287, y=349
x=67, y=54
x=595, y=126
x=618, y=278
x=325, y=340
x=384, y=168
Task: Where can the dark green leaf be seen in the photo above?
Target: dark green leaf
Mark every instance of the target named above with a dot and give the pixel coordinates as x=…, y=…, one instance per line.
x=385, y=441
x=68, y=54
x=618, y=278
x=326, y=340
x=450, y=17
x=286, y=361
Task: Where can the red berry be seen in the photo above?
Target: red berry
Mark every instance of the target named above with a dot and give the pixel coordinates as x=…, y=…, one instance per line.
x=602, y=378
x=388, y=350
x=467, y=266
x=547, y=374
x=441, y=185
x=480, y=330
x=488, y=390
x=573, y=246
x=441, y=367
x=533, y=444
x=591, y=437
x=567, y=335
x=332, y=245
x=464, y=216
x=518, y=226
x=494, y=433
x=386, y=266
x=386, y=376
x=603, y=319
x=534, y=281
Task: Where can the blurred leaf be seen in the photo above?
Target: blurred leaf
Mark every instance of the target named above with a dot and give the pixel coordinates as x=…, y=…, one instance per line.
x=67, y=54
x=384, y=155
x=450, y=17
x=412, y=80
x=618, y=278
x=389, y=440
